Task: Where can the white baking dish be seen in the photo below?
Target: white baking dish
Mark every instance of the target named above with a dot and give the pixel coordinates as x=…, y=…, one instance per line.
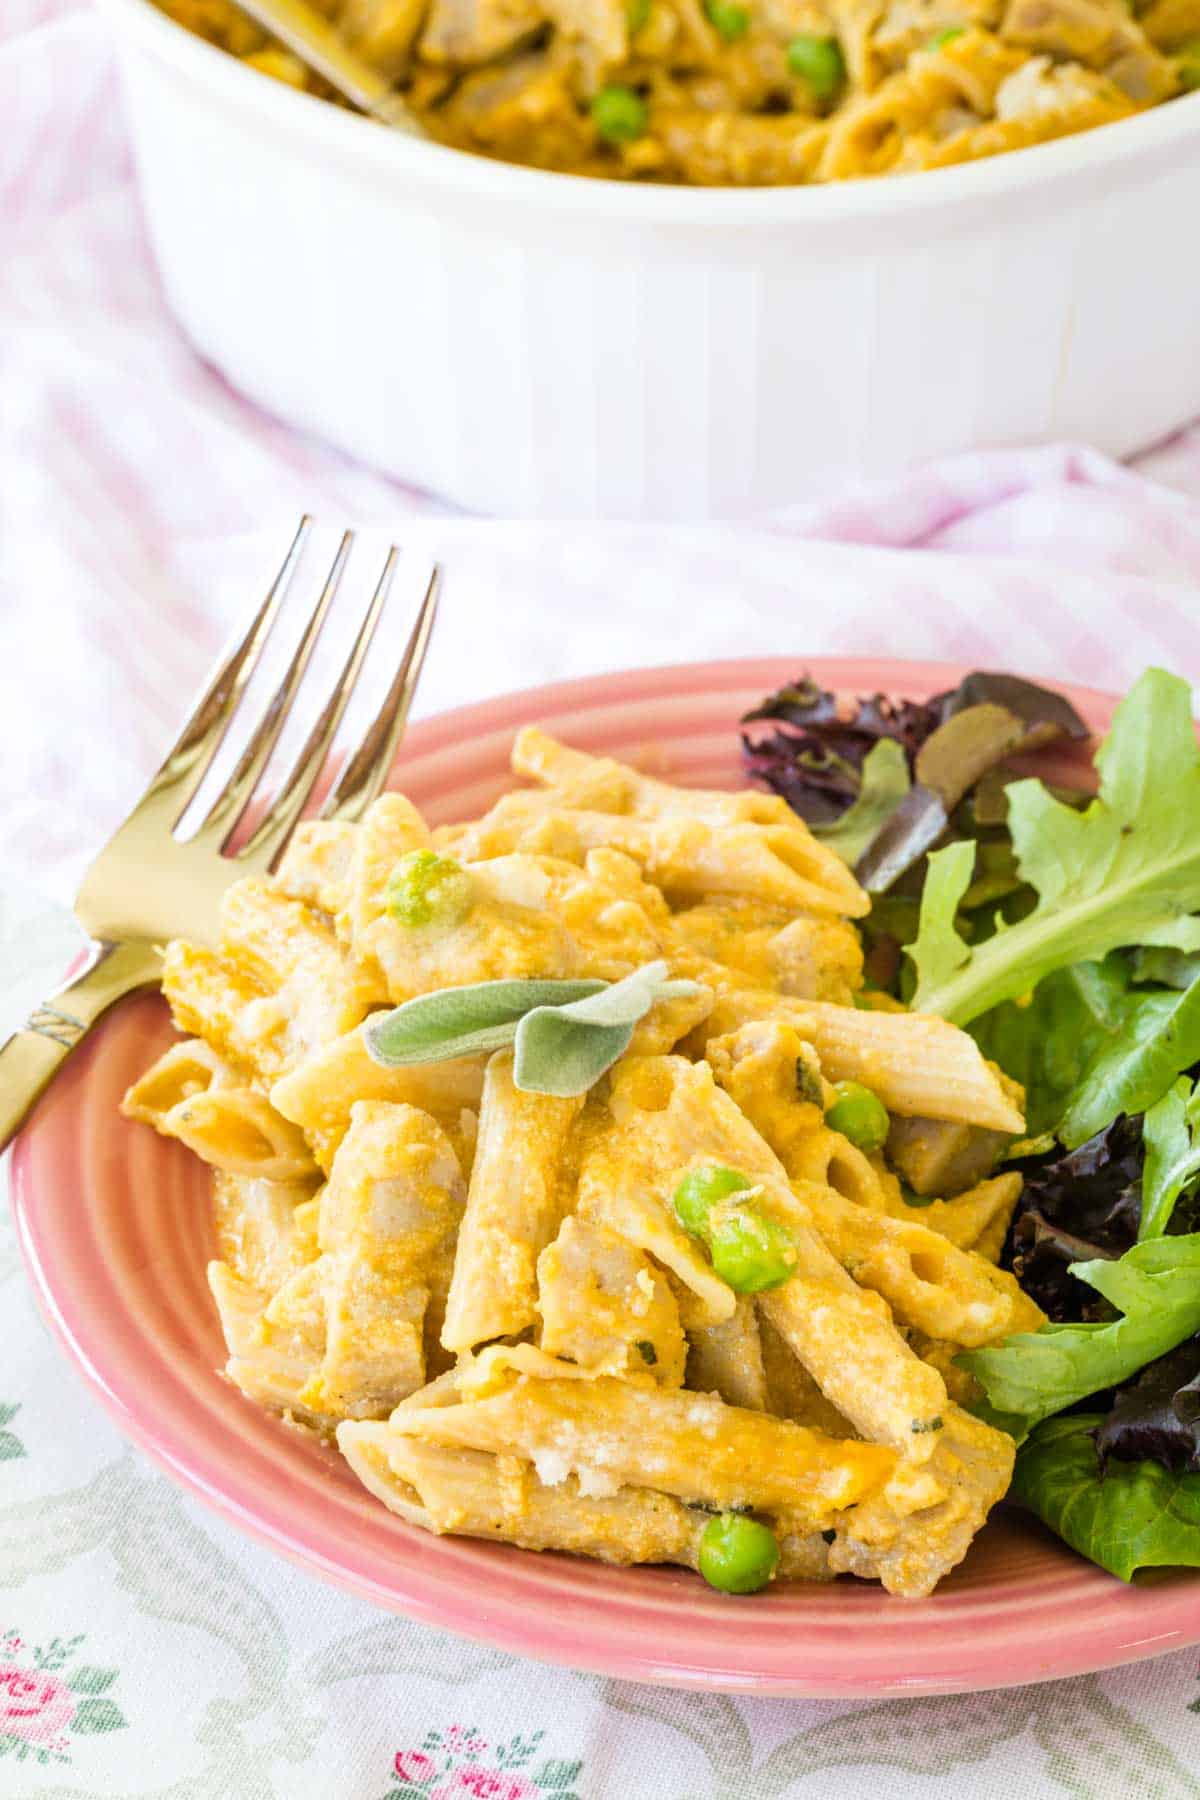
x=543, y=344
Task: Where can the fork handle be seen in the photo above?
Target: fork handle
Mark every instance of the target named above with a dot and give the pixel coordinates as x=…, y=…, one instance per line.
x=34, y=1054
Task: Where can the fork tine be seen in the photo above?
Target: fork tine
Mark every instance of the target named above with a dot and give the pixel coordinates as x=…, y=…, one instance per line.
x=364, y=773
x=192, y=753
x=226, y=810
x=270, y=838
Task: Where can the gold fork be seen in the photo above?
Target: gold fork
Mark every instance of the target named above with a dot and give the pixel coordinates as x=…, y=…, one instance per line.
x=147, y=885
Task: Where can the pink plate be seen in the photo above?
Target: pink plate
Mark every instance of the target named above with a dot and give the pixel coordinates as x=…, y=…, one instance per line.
x=114, y=1226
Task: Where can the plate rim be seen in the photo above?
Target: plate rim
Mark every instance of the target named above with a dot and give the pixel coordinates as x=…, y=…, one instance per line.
x=406, y=1591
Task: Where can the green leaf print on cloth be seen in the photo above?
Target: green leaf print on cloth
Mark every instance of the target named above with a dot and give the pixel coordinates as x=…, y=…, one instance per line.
x=460, y=1764
x=10, y=1444
x=47, y=1699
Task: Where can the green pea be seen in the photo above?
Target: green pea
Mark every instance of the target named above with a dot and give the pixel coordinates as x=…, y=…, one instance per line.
x=619, y=114
x=946, y=35
x=428, y=889
x=1187, y=63
x=731, y=21
x=819, y=62
x=636, y=14
x=859, y=1115
x=699, y=1192
x=749, y=1252
x=737, y=1554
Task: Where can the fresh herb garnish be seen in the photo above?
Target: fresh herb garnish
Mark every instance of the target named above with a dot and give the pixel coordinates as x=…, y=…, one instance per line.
x=564, y=1034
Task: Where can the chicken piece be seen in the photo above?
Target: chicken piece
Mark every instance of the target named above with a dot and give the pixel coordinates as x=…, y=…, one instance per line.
x=1101, y=35
x=814, y=958
x=939, y=1158
x=470, y=32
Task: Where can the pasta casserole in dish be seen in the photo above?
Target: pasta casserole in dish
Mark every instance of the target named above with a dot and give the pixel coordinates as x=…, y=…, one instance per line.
x=752, y=92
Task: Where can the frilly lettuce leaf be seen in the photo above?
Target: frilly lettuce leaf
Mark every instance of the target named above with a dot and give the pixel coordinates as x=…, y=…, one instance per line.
x=1124, y=871
x=1133, y=1515
x=885, y=781
x=1155, y=1287
x=1160, y=1039
x=1048, y=1043
x=1171, y=1133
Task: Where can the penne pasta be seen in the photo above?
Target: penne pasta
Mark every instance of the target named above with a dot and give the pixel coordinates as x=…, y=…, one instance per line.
x=927, y=1282
x=604, y=1306
x=320, y=1093
x=515, y=1203
x=480, y=1495
x=612, y=1433
x=920, y=1066
x=512, y=1307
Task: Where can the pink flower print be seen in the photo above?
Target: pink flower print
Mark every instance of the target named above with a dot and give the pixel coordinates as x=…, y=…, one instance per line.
x=485, y=1784
x=34, y=1705
x=415, y=1767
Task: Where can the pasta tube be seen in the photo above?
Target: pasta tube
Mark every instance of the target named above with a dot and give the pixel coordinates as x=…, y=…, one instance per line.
x=919, y=1066
x=475, y=1494
x=320, y=1092
x=514, y=1206
x=614, y=1433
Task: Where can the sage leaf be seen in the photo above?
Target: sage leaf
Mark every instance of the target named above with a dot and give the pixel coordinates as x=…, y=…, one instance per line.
x=565, y=1049
x=555, y=1054
x=465, y=1021
x=565, y=1033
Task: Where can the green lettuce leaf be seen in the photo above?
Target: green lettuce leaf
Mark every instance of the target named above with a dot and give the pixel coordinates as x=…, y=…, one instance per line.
x=1165, y=968
x=939, y=952
x=1133, y=1516
x=1155, y=1287
x=885, y=781
x=1160, y=1039
x=1171, y=1134
x=1124, y=871
x=1047, y=1043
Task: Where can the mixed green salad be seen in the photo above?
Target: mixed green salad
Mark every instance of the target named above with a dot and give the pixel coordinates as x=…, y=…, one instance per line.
x=1060, y=925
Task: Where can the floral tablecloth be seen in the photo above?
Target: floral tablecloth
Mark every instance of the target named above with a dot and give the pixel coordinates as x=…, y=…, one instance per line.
x=145, y=1648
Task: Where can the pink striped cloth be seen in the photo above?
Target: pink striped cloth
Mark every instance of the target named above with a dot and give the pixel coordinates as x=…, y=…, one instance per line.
x=141, y=501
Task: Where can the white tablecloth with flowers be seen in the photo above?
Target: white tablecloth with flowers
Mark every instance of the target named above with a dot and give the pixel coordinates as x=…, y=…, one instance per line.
x=145, y=1648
